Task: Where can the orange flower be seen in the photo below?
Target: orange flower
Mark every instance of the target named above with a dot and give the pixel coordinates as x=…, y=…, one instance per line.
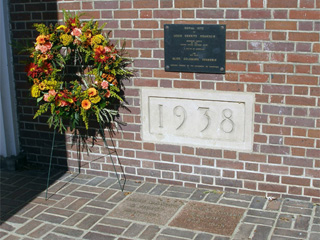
x=110, y=78
x=104, y=75
x=41, y=39
x=92, y=92
x=86, y=104
x=115, y=82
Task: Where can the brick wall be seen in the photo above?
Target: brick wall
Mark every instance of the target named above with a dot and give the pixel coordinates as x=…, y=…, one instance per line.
x=272, y=51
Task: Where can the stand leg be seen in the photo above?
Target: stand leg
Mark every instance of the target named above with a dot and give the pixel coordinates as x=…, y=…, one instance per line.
x=50, y=163
x=109, y=153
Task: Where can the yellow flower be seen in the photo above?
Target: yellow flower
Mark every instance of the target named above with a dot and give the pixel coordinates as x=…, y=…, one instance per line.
x=95, y=99
x=86, y=104
x=97, y=39
x=62, y=27
x=35, y=92
x=92, y=92
x=66, y=39
x=42, y=86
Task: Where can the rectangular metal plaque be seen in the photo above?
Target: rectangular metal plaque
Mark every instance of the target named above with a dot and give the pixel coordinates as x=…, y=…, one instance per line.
x=197, y=48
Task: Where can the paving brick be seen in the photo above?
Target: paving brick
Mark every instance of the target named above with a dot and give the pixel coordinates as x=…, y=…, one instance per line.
x=107, y=183
x=34, y=211
x=68, y=231
x=213, y=197
x=145, y=188
x=134, y=230
x=282, y=238
x=302, y=223
x=237, y=196
x=96, y=181
x=261, y=233
x=317, y=213
x=88, y=222
x=127, y=188
x=273, y=205
x=94, y=210
x=119, y=196
x=176, y=194
x=28, y=227
x=203, y=236
x=98, y=236
x=316, y=220
x=303, y=211
x=74, y=219
x=105, y=195
x=86, y=195
x=100, y=204
x=290, y=233
x=314, y=236
x=298, y=204
x=221, y=238
x=285, y=221
x=12, y=237
x=158, y=189
x=244, y=231
x=115, y=222
x=257, y=220
x=41, y=231
x=68, y=189
x=7, y=227
x=2, y=234
x=66, y=201
x=150, y=232
x=263, y=214
x=315, y=228
x=108, y=229
x=163, y=237
x=76, y=205
x=60, y=212
x=52, y=236
x=258, y=203
x=234, y=203
x=178, y=233
x=50, y=218
x=16, y=219
x=198, y=195
x=180, y=189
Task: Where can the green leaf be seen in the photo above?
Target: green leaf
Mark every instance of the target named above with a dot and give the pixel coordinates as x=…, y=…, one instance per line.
x=39, y=99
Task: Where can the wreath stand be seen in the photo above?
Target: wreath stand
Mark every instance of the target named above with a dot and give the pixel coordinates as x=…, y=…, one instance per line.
x=110, y=152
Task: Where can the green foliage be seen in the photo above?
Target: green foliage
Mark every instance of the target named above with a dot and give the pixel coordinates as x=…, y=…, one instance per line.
x=42, y=109
x=41, y=28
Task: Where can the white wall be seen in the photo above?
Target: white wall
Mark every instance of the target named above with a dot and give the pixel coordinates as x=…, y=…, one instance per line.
x=9, y=144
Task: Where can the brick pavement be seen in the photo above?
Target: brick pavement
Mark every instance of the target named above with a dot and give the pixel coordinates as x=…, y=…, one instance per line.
x=93, y=207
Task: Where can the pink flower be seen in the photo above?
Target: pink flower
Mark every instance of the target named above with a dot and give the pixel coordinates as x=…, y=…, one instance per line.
x=44, y=48
x=52, y=92
x=63, y=103
x=46, y=97
x=76, y=32
x=107, y=49
x=104, y=84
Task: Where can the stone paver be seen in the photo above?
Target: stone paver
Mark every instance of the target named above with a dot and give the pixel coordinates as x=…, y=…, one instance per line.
x=92, y=207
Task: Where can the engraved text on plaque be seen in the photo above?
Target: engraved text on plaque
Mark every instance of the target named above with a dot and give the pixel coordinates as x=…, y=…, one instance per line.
x=197, y=117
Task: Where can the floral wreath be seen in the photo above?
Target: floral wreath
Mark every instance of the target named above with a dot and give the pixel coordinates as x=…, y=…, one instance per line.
x=76, y=73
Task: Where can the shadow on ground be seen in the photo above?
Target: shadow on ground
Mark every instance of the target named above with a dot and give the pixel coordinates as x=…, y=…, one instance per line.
x=21, y=188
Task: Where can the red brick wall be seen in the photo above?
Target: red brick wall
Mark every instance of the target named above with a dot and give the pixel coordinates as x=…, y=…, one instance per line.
x=272, y=51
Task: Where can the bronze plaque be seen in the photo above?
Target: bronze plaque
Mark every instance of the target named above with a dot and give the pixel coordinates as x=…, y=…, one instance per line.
x=196, y=48
x=147, y=208
x=210, y=218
